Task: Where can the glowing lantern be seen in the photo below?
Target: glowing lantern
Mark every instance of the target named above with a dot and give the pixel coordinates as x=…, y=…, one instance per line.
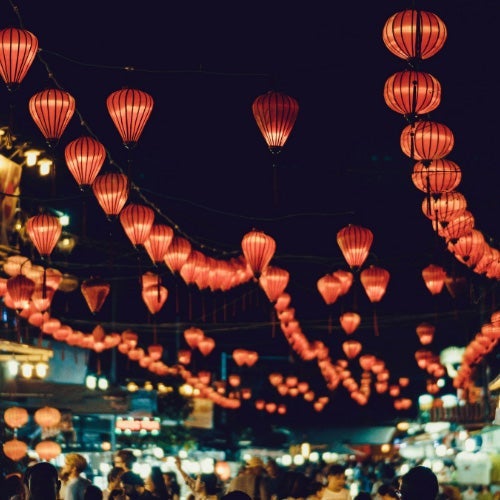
x=354, y=243
x=15, y=417
x=206, y=345
x=439, y=176
x=425, y=332
x=434, y=277
x=154, y=297
x=155, y=351
x=95, y=291
x=282, y=302
x=273, y=281
x=258, y=249
x=84, y=158
x=137, y=221
x=351, y=348
x=51, y=111
x=469, y=249
x=234, y=380
x=177, y=253
x=223, y=470
x=426, y=140
x=366, y=361
x=444, y=207
x=193, y=336
x=193, y=264
x=239, y=356
x=271, y=407
x=14, y=264
x=47, y=417
x=374, y=281
x=44, y=231
x=158, y=241
x=130, y=110
x=329, y=287
x=48, y=450
x=350, y=322
x=252, y=358
x=275, y=379
x=184, y=356
x=346, y=278
x=111, y=192
x=20, y=290
x=404, y=381
x=414, y=34
x=458, y=226
x=275, y=114
x=15, y=449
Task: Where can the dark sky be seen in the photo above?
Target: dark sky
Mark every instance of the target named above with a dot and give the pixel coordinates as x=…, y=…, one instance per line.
x=203, y=162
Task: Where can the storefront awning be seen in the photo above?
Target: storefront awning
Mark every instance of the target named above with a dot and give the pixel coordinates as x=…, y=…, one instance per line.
x=376, y=435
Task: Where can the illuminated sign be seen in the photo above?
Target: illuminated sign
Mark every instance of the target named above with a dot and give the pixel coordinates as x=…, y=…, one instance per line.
x=130, y=425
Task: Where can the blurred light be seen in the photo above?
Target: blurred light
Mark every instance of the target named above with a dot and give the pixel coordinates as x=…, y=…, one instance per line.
x=106, y=446
x=404, y=469
x=132, y=387
x=105, y=467
x=305, y=450
x=286, y=460
x=425, y=402
x=31, y=156
x=186, y=390
x=91, y=382
x=298, y=460
x=441, y=450
x=41, y=369
x=441, y=382
x=158, y=452
x=437, y=466
x=314, y=456
x=103, y=383
x=148, y=386
x=207, y=465
x=27, y=370
x=403, y=426
x=470, y=444
x=64, y=220
x=183, y=454
x=12, y=367
x=385, y=448
x=449, y=400
x=44, y=165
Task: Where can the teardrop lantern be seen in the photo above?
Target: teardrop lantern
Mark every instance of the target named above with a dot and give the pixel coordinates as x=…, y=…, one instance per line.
x=130, y=110
x=434, y=277
x=426, y=140
x=20, y=290
x=425, y=332
x=193, y=336
x=258, y=249
x=350, y=322
x=351, y=348
x=18, y=48
x=95, y=291
x=111, y=192
x=44, y=231
x=355, y=243
x=469, y=249
x=51, y=110
x=206, y=345
x=457, y=227
x=137, y=221
x=154, y=297
x=273, y=281
x=84, y=158
x=177, y=253
x=374, y=280
x=158, y=241
x=329, y=287
x=48, y=450
x=275, y=114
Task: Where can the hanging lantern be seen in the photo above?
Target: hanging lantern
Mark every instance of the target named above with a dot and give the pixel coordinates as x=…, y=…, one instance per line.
x=44, y=231
x=414, y=34
x=467, y=249
x=437, y=177
x=137, y=221
x=177, y=253
x=275, y=114
x=434, y=277
x=95, y=291
x=84, y=158
x=273, y=281
x=194, y=262
x=346, y=278
x=240, y=356
x=51, y=111
x=355, y=243
x=374, y=281
x=412, y=93
x=15, y=449
x=329, y=287
x=193, y=336
x=47, y=417
x=350, y=322
x=155, y=351
x=426, y=140
x=258, y=249
x=282, y=302
x=458, y=226
x=154, y=297
x=351, y=348
x=223, y=470
x=18, y=48
x=20, y=290
x=444, y=207
x=158, y=241
x=14, y=264
x=15, y=417
x=111, y=192
x=425, y=332
x=367, y=361
x=130, y=110
x=206, y=345
x=48, y=450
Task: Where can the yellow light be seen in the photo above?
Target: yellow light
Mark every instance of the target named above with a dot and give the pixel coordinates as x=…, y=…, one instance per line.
x=41, y=369
x=106, y=446
x=64, y=220
x=103, y=383
x=403, y=426
x=186, y=390
x=27, y=370
x=44, y=164
x=31, y=157
x=148, y=386
x=132, y=387
x=385, y=448
x=13, y=367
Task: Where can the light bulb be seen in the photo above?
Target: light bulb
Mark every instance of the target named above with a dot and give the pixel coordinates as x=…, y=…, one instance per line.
x=27, y=370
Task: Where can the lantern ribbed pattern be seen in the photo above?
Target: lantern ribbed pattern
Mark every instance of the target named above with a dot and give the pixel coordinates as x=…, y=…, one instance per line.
x=158, y=241
x=154, y=297
x=414, y=34
x=177, y=253
x=329, y=287
x=51, y=111
x=273, y=281
x=375, y=281
x=412, y=93
x=15, y=417
x=258, y=249
x=84, y=158
x=20, y=290
x=130, y=110
x=457, y=227
x=434, y=277
x=426, y=140
x=18, y=49
x=444, y=207
x=355, y=243
x=194, y=262
x=95, y=291
x=137, y=221
x=275, y=114
x=15, y=449
x=467, y=249
x=111, y=191
x=349, y=322
x=44, y=231
x=351, y=348
x=439, y=177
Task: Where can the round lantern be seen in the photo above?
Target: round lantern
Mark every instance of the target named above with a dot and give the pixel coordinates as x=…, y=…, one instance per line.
x=111, y=192
x=154, y=297
x=467, y=249
x=47, y=417
x=155, y=351
x=273, y=281
x=158, y=241
x=258, y=249
x=51, y=111
x=84, y=158
x=437, y=177
x=275, y=114
x=351, y=348
x=367, y=361
x=444, y=207
x=130, y=110
x=329, y=287
x=137, y=221
x=425, y=332
x=95, y=291
x=48, y=450
x=15, y=417
x=177, y=253
x=44, y=231
x=15, y=449
x=414, y=34
x=20, y=290
x=375, y=280
x=434, y=277
x=412, y=93
x=18, y=48
x=355, y=243
x=457, y=227
x=206, y=345
x=426, y=140
x=193, y=336
x=350, y=322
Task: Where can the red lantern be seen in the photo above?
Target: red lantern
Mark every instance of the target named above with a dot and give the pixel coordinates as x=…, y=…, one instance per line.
x=154, y=297
x=434, y=277
x=84, y=158
x=177, y=253
x=234, y=380
x=258, y=249
x=137, y=221
x=193, y=336
x=206, y=345
x=367, y=361
x=438, y=177
x=15, y=449
x=350, y=321
x=48, y=450
x=51, y=111
x=346, y=278
x=355, y=243
x=275, y=114
x=130, y=110
x=44, y=231
x=329, y=287
x=282, y=302
x=414, y=34
x=444, y=207
x=468, y=249
x=223, y=470
x=426, y=140
x=15, y=417
x=158, y=241
x=184, y=356
x=273, y=281
x=18, y=48
x=412, y=93
x=20, y=290
x=111, y=191
x=351, y=348
x=95, y=291
x=375, y=281
x=47, y=417
x=239, y=356
x=425, y=332
x=155, y=351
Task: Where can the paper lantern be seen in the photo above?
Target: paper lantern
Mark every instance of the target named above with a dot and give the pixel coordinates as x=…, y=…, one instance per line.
x=374, y=280
x=425, y=332
x=154, y=297
x=15, y=449
x=355, y=243
x=44, y=231
x=137, y=221
x=95, y=291
x=193, y=336
x=177, y=253
x=84, y=158
x=444, y=207
x=47, y=417
x=48, y=450
x=351, y=348
x=426, y=140
x=158, y=241
x=20, y=290
x=15, y=417
x=329, y=287
x=350, y=322
x=273, y=281
x=258, y=249
x=439, y=176
x=206, y=345
x=434, y=277
x=111, y=192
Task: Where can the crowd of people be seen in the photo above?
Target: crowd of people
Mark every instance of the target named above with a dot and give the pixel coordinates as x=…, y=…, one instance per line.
x=255, y=480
